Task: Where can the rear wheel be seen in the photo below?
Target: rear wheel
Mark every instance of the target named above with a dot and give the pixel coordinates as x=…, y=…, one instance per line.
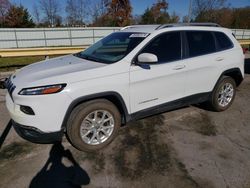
x=93, y=125
x=223, y=94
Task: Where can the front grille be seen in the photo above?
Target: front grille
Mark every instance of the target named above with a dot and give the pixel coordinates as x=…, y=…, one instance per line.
x=10, y=86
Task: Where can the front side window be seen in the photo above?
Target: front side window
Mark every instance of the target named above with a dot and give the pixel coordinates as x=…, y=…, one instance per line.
x=113, y=47
x=167, y=47
x=200, y=43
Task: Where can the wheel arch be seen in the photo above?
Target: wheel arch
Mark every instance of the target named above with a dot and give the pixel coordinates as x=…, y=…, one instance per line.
x=112, y=96
x=234, y=73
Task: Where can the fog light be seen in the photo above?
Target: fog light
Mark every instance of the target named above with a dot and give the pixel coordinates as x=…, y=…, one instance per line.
x=27, y=110
x=2, y=84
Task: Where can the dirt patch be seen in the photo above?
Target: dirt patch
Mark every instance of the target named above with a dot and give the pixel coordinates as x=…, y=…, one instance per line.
x=185, y=173
x=14, y=150
x=204, y=145
x=96, y=159
x=140, y=150
x=224, y=155
x=204, y=183
x=144, y=153
x=201, y=123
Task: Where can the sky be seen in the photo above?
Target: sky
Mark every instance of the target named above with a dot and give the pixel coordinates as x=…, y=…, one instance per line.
x=179, y=6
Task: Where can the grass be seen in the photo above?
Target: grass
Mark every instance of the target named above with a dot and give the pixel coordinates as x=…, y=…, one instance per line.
x=12, y=63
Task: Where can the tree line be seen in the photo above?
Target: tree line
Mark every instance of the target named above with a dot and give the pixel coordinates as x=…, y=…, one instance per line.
x=219, y=11
x=76, y=13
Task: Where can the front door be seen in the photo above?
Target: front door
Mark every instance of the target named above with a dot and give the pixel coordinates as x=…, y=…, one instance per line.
x=163, y=81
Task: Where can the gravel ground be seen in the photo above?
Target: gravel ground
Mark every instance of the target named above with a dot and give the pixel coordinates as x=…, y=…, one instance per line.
x=189, y=147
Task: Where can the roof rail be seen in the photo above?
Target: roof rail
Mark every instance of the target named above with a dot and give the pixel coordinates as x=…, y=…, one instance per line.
x=139, y=26
x=126, y=27
x=188, y=24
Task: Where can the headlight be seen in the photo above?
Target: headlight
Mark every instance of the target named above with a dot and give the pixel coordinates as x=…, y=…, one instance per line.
x=42, y=90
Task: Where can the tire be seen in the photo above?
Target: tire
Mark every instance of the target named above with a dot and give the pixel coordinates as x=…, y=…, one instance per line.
x=215, y=102
x=93, y=125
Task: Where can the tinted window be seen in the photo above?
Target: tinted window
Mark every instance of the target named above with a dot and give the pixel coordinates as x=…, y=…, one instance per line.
x=200, y=43
x=113, y=47
x=223, y=41
x=167, y=47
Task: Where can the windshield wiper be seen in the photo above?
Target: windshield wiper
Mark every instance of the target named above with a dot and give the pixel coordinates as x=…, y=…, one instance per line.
x=91, y=58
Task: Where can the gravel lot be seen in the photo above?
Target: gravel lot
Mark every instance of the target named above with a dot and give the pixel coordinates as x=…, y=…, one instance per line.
x=189, y=147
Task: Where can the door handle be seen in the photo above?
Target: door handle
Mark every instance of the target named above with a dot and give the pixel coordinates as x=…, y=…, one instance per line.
x=179, y=67
x=219, y=59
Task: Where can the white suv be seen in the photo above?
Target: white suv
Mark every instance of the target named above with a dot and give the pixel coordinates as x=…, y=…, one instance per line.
x=130, y=74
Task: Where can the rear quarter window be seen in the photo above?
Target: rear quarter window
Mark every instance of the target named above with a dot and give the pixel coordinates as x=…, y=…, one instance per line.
x=200, y=43
x=223, y=41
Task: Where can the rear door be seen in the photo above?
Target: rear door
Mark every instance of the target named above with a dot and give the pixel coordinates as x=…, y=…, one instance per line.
x=202, y=62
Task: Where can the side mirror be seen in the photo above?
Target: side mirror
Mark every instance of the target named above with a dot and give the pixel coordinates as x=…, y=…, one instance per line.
x=147, y=58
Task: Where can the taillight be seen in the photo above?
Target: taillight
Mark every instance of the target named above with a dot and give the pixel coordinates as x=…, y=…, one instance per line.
x=244, y=50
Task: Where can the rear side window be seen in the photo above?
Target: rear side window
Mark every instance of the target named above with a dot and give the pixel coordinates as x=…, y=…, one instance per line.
x=167, y=47
x=200, y=43
x=223, y=41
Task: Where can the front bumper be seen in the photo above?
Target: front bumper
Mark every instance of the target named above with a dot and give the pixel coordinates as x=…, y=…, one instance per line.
x=37, y=136
x=49, y=110
x=2, y=84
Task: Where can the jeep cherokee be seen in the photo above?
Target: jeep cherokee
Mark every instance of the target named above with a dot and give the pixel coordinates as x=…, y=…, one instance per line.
x=130, y=74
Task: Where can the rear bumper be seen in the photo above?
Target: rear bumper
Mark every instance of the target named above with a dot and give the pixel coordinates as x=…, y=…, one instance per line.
x=35, y=135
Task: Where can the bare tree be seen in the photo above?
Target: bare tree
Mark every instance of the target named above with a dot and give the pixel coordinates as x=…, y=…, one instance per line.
x=83, y=9
x=203, y=9
x=76, y=12
x=36, y=14
x=98, y=9
x=71, y=7
x=4, y=7
x=136, y=19
x=174, y=18
x=185, y=19
x=50, y=9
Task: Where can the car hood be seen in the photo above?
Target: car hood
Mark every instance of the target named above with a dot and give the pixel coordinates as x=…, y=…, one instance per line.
x=56, y=67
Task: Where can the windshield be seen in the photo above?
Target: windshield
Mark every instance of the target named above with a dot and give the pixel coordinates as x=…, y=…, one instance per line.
x=113, y=47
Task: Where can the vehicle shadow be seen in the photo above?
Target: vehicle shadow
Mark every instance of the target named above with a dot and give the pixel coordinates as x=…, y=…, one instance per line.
x=5, y=133
x=247, y=66
x=55, y=174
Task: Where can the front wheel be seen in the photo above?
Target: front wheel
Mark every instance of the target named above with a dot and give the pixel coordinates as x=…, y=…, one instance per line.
x=93, y=125
x=223, y=94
